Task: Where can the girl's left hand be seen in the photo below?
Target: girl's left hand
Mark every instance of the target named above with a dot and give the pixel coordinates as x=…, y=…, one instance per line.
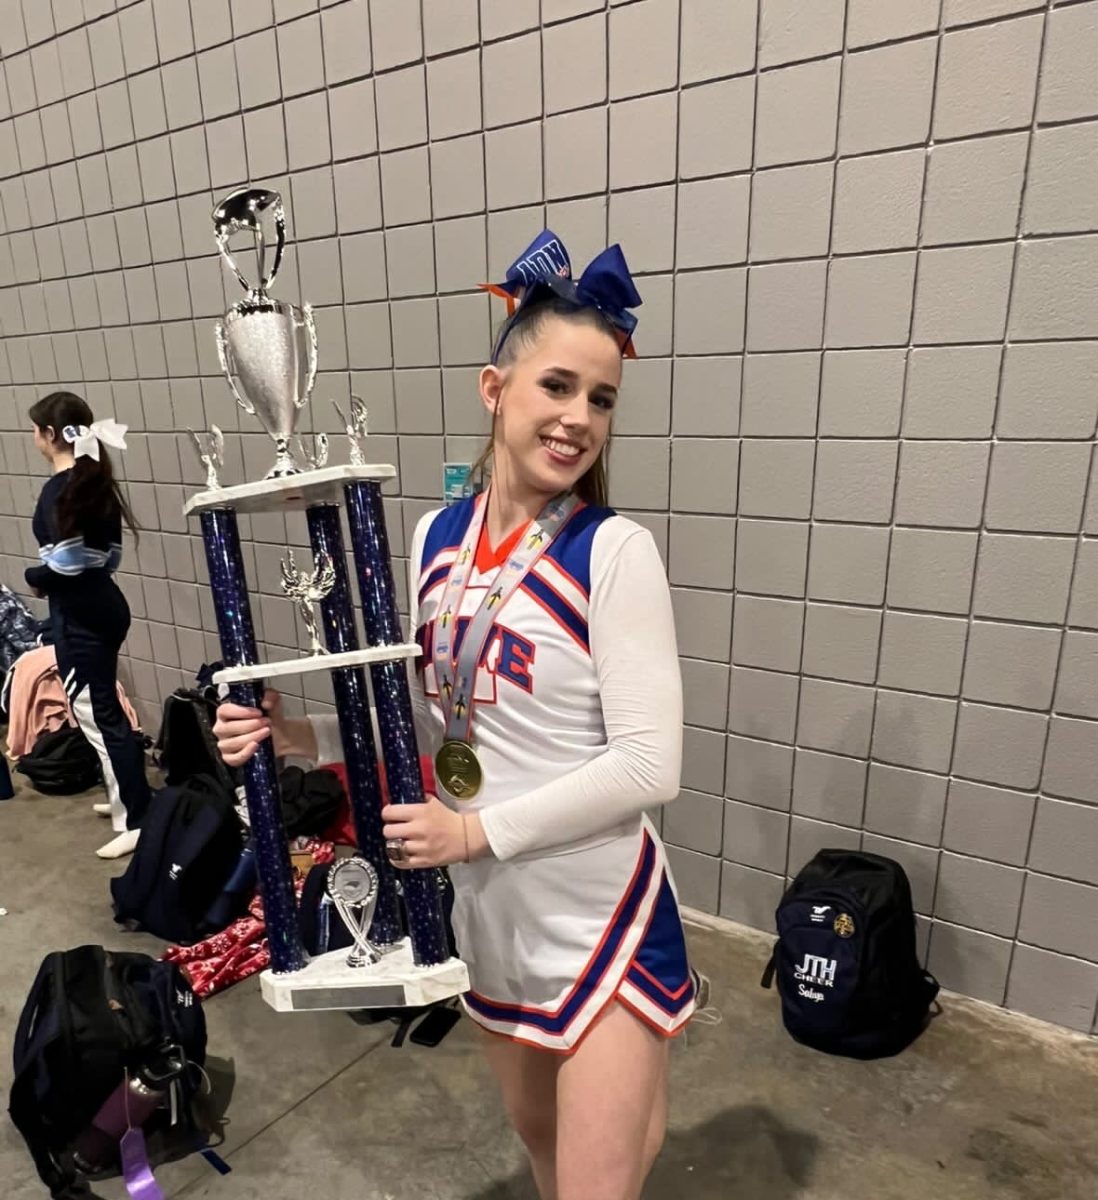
x=433, y=835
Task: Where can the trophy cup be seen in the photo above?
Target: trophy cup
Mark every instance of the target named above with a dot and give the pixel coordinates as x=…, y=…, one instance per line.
x=353, y=887
x=267, y=347
x=307, y=590
x=211, y=453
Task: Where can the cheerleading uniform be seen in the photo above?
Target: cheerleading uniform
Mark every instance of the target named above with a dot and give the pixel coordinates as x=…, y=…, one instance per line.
x=577, y=722
x=89, y=620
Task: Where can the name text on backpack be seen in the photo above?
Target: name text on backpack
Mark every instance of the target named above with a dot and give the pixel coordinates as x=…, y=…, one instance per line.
x=816, y=969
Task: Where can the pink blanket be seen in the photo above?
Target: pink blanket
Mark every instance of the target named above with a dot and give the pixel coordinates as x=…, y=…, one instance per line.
x=37, y=703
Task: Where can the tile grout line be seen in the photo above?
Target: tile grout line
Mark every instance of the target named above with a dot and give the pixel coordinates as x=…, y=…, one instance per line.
x=1019, y=228
x=908, y=355
x=804, y=610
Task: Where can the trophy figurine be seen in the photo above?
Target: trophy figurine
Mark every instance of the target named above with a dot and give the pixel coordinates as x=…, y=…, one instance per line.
x=309, y=590
x=353, y=887
x=211, y=453
x=356, y=428
x=267, y=348
x=312, y=449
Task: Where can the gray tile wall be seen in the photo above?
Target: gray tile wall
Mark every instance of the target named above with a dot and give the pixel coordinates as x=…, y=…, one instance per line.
x=862, y=428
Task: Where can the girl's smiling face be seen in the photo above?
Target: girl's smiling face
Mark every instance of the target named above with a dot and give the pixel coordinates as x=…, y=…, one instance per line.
x=552, y=406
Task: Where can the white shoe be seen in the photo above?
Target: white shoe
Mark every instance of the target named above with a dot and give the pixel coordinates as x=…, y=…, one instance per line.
x=125, y=843
x=102, y=810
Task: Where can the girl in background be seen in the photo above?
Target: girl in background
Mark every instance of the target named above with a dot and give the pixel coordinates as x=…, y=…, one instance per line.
x=78, y=526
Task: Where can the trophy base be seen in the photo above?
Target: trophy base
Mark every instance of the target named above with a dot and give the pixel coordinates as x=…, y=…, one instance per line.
x=327, y=983
x=290, y=493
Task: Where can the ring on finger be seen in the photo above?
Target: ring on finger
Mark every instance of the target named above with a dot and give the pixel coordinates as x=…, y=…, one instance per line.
x=397, y=850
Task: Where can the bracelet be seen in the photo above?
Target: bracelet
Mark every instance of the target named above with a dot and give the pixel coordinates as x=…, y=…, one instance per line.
x=465, y=831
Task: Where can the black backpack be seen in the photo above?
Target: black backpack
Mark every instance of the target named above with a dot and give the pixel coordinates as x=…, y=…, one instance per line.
x=848, y=973
x=61, y=763
x=186, y=745
x=191, y=844
x=93, y=1015
x=322, y=928
x=310, y=801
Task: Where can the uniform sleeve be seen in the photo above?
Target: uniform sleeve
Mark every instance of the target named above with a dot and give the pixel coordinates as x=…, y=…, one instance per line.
x=38, y=577
x=424, y=729
x=41, y=577
x=326, y=726
x=633, y=646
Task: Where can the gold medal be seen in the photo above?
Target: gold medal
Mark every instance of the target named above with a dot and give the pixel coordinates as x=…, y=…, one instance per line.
x=458, y=770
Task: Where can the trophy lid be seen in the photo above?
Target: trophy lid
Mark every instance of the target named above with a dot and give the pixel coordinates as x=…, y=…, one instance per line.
x=242, y=210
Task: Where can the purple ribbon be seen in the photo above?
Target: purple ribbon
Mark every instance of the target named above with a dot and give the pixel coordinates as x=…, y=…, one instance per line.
x=140, y=1182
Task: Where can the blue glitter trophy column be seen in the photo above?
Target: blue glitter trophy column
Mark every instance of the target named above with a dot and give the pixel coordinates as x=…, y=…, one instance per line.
x=352, y=701
x=373, y=565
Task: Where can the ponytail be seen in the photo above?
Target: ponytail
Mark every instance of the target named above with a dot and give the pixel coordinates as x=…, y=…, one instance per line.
x=92, y=492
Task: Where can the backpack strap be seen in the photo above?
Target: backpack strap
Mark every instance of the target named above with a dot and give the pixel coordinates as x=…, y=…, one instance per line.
x=768, y=971
x=23, y=1109
x=30, y=1012
x=31, y=1042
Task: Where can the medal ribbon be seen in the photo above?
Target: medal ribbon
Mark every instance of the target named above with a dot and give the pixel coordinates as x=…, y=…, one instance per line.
x=457, y=677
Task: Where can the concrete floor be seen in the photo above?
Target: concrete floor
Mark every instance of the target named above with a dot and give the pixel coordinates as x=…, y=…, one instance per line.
x=985, y=1105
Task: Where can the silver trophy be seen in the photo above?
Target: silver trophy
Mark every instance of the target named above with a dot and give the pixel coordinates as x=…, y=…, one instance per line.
x=211, y=453
x=267, y=347
x=356, y=428
x=353, y=887
x=312, y=448
x=308, y=590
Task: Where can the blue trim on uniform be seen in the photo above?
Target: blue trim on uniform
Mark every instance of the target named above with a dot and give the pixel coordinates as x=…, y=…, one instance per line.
x=73, y=557
x=571, y=548
x=662, y=957
x=624, y=918
x=558, y=606
x=437, y=576
x=447, y=530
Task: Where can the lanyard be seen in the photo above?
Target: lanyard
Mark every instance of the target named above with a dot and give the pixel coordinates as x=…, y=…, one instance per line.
x=456, y=677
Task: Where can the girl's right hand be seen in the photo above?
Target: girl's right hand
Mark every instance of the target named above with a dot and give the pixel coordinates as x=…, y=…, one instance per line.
x=239, y=730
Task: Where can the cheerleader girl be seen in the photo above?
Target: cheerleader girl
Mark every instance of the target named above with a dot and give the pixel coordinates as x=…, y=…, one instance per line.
x=78, y=525
x=549, y=690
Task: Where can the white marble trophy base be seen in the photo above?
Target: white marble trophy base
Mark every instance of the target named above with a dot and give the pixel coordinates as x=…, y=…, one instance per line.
x=327, y=982
x=316, y=662
x=290, y=493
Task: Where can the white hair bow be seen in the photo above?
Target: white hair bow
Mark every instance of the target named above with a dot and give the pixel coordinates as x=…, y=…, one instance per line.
x=85, y=439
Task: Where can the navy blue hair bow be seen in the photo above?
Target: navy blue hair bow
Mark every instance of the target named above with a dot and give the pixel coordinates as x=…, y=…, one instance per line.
x=605, y=285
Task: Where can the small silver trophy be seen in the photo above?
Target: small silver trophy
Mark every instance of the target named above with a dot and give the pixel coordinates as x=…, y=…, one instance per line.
x=308, y=590
x=353, y=887
x=312, y=448
x=356, y=428
x=267, y=347
x=211, y=453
